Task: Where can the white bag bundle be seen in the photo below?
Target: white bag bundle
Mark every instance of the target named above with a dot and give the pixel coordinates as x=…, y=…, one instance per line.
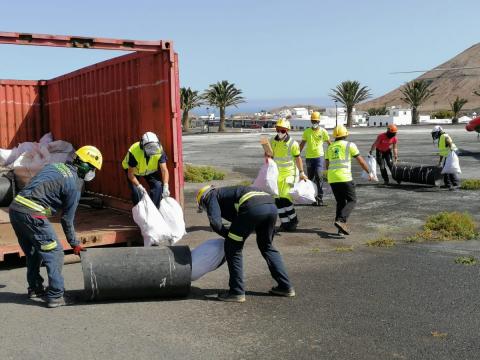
x=267, y=178
x=207, y=257
x=172, y=214
x=5, y=157
x=29, y=164
x=372, y=167
x=303, y=192
x=452, y=164
x=153, y=227
x=60, y=151
x=46, y=139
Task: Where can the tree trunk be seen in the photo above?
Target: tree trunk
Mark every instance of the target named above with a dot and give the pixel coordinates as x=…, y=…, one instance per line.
x=185, y=122
x=414, y=116
x=349, y=116
x=221, y=128
x=455, y=119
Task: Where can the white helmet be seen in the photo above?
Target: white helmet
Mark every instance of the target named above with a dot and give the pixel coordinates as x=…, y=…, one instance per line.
x=150, y=143
x=437, y=128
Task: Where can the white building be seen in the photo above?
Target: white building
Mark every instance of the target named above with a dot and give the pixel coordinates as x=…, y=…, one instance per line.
x=300, y=114
x=397, y=116
x=326, y=122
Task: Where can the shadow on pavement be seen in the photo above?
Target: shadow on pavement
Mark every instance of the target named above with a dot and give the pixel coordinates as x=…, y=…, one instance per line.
x=198, y=228
x=22, y=299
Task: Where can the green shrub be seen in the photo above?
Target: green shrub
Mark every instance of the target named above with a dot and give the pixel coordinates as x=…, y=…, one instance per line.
x=382, y=241
x=447, y=226
x=465, y=260
x=470, y=184
x=200, y=174
x=442, y=114
x=245, y=183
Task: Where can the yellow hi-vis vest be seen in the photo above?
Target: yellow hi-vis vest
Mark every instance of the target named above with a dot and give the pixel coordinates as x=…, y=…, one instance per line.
x=282, y=155
x=443, y=149
x=340, y=161
x=142, y=167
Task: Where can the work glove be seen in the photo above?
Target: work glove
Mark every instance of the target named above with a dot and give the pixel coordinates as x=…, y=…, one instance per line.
x=166, y=192
x=303, y=176
x=77, y=249
x=141, y=189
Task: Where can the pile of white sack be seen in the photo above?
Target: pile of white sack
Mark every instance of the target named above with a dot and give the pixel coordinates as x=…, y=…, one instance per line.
x=28, y=158
x=163, y=226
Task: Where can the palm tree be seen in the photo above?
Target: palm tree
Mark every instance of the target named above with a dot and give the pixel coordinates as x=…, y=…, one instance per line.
x=189, y=99
x=456, y=107
x=349, y=93
x=221, y=95
x=416, y=93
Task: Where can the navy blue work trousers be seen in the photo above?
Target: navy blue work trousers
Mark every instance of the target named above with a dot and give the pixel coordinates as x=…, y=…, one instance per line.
x=346, y=198
x=261, y=219
x=315, y=173
x=33, y=232
x=156, y=188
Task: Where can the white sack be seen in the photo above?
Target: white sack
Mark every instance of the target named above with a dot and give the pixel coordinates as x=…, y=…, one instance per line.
x=452, y=164
x=303, y=192
x=29, y=164
x=267, y=178
x=207, y=257
x=46, y=139
x=60, y=151
x=172, y=214
x=372, y=168
x=5, y=156
x=153, y=227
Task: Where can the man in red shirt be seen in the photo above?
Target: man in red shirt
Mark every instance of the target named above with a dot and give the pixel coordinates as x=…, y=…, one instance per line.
x=384, y=144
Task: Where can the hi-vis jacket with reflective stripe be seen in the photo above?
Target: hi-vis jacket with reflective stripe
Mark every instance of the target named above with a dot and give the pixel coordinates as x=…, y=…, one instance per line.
x=339, y=155
x=142, y=168
x=284, y=152
x=227, y=202
x=443, y=149
x=55, y=187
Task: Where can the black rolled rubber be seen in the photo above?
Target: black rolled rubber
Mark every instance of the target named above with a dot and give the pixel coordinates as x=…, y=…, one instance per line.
x=418, y=174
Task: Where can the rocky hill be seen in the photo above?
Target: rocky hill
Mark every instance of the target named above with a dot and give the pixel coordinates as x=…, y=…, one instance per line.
x=462, y=80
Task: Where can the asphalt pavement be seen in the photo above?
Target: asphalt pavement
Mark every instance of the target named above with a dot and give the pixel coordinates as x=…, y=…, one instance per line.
x=411, y=301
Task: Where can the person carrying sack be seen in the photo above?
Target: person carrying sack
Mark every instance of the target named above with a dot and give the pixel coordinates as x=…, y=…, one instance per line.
x=445, y=146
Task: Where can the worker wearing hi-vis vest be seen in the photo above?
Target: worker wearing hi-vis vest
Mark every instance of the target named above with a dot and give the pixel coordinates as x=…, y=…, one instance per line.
x=56, y=187
x=445, y=146
x=314, y=137
x=144, y=159
x=286, y=154
x=339, y=175
x=248, y=209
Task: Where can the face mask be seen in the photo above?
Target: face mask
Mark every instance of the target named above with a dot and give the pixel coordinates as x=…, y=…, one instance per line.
x=281, y=135
x=151, y=149
x=89, y=175
x=390, y=134
x=315, y=125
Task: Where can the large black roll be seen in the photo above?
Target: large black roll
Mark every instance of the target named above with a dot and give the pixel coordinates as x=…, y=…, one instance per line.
x=418, y=174
x=137, y=272
x=6, y=189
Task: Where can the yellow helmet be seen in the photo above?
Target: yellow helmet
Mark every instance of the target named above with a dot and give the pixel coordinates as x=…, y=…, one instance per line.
x=315, y=116
x=283, y=123
x=202, y=192
x=340, y=131
x=91, y=155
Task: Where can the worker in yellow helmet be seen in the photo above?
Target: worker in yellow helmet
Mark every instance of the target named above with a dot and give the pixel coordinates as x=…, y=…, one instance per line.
x=146, y=158
x=286, y=154
x=339, y=173
x=445, y=146
x=314, y=137
x=56, y=187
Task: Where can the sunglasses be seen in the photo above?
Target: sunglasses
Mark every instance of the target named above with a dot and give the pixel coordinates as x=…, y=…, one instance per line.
x=283, y=131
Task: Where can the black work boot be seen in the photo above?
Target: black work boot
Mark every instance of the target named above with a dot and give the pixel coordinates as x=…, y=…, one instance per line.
x=36, y=292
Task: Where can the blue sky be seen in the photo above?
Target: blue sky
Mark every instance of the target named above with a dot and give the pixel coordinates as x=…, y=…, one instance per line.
x=277, y=52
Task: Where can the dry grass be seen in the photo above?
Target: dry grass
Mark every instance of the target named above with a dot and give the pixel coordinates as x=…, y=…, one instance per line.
x=446, y=226
x=465, y=260
x=344, y=248
x=470, y=184
x=382, y=241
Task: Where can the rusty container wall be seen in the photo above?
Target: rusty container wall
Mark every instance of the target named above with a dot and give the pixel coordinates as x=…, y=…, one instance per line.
x=110, y=104
x=21, y=117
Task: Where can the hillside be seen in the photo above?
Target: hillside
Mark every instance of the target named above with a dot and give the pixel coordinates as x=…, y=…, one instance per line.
x=461, y=82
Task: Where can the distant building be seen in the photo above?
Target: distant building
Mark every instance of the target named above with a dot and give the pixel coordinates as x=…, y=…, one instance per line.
x=397, y=116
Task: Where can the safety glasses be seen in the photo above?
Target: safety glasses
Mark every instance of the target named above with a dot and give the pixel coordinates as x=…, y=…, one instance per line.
x=282, y=131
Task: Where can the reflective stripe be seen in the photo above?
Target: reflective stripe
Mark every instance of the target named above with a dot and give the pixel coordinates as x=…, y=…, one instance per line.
x=48, y=247
x=293, y=216
x=235, y=237
x=289, y=208
x=281, y=211
x=247, y=196
x=32, y=205
x=284, y=219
